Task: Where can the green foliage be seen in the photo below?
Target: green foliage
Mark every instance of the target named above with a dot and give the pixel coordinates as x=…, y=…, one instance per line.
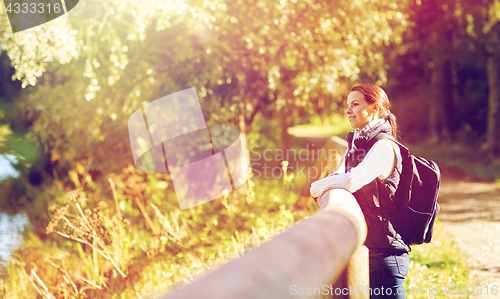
x=32, y=51
x=85, y=73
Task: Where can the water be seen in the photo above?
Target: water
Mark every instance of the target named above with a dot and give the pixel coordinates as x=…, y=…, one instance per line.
x=10, y=236
x=6, y=166
x=10, y=225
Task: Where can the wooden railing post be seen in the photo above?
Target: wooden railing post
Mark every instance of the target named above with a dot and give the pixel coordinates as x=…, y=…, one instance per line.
x=354, y=280
x=329, y=160
x=308, y=256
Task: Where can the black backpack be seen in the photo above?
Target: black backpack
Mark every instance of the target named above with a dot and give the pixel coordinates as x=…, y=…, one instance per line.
x=414, y=206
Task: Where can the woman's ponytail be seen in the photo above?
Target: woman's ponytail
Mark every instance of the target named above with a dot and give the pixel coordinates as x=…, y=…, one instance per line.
x=394, y=125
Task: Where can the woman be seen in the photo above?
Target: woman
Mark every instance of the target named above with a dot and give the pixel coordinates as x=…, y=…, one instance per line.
x=373, y=177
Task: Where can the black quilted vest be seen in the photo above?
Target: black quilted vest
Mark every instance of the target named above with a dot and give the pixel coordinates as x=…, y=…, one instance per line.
x=373, y=197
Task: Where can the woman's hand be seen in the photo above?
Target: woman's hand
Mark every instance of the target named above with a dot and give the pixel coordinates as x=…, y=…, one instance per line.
x=318, y=188
x=334, y=180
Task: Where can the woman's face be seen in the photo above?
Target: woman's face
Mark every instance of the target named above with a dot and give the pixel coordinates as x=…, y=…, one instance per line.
x=360, y=113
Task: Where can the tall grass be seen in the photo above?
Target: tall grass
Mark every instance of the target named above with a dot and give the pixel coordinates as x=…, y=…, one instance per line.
x=129, y=239
x=132, y=240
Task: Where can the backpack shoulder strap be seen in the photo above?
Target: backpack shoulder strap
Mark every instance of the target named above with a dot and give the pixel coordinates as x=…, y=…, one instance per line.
x=405, y=176
x=380, y=136
x=405, y=152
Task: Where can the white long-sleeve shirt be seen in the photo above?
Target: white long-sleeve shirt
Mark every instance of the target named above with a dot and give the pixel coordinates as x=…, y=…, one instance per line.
x=378, y=163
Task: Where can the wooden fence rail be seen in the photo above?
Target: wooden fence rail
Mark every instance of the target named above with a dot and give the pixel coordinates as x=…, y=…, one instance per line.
x=301, y=262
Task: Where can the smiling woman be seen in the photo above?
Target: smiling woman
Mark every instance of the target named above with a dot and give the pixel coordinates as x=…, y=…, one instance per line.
x=373, y=165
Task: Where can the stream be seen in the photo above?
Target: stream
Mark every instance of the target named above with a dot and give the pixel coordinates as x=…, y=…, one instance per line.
x=11, y=227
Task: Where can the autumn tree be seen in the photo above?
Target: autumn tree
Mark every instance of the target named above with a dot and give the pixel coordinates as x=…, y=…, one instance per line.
x=86, y=72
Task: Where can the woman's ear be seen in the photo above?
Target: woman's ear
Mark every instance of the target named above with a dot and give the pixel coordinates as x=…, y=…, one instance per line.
x=376, y=110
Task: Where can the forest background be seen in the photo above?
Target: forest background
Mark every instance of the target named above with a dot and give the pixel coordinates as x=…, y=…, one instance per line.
x=102, y=228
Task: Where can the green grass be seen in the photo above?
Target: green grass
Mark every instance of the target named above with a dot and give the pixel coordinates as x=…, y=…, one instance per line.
x=434, y=266
x=322, y=127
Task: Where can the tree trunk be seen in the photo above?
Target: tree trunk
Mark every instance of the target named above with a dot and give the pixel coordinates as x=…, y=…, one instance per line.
x=493, y=69
x=441, y=98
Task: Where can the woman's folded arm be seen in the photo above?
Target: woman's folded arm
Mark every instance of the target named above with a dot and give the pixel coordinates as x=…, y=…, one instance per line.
x=379, y=162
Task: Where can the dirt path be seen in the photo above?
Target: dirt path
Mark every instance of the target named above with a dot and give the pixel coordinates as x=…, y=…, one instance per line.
x=470, y=211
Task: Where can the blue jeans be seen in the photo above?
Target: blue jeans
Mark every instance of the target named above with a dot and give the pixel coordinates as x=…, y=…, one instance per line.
x=388, y=269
